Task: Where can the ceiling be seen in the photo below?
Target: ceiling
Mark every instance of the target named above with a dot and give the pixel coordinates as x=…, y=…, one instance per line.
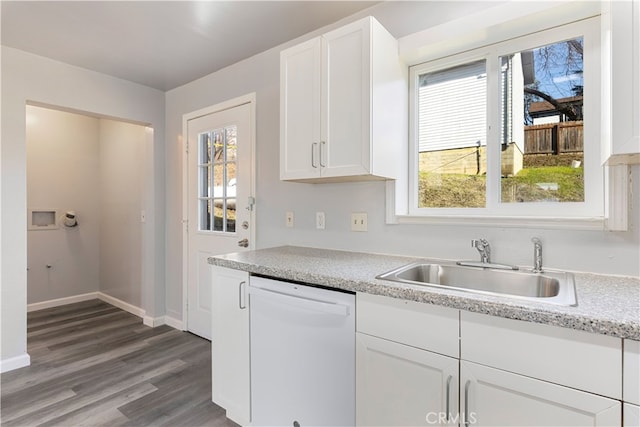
x=162, y=44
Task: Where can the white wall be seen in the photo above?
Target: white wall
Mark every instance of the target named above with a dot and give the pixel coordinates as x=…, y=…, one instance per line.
x=27, y=77
x=62, y=175
x=121, y=202
x=595, y=251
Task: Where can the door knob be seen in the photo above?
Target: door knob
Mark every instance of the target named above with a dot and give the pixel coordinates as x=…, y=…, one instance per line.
x=244, y=243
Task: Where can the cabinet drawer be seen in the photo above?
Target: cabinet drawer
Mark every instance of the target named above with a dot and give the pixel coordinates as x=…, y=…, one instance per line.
x=424, y=326
x=631, y=372
x=582, y=360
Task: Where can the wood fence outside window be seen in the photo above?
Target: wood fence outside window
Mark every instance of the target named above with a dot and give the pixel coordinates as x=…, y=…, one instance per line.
x=554, y=138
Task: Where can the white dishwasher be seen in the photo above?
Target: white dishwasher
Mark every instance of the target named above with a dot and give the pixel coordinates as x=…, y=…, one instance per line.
x=302, y=355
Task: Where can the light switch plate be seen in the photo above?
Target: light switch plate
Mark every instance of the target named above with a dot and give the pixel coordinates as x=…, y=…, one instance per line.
x=289, y=219
x=359, y=221
x=320, y=223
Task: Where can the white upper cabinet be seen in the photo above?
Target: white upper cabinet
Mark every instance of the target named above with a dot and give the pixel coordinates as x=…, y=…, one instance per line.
x=622, y=26
x=343, y=102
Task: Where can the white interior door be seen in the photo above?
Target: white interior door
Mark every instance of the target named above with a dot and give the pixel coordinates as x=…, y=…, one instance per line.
x=219, y=203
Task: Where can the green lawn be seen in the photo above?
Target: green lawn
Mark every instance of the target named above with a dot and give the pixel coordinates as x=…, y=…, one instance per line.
x=529, y=185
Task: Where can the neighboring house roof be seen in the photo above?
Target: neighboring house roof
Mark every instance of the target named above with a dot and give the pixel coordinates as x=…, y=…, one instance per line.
x=544, y=108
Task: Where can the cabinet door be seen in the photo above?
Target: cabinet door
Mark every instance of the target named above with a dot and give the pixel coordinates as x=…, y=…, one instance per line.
x=631, y=372
x=230, y=343
x=346, y=81
x=300, y=92
x=491, y=397
x=631, y=415
x=625, y=82
x=398, y=385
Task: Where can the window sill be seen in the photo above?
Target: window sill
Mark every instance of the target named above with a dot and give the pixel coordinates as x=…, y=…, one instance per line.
x=616, y=207
x=395, y=215
x=596, y=223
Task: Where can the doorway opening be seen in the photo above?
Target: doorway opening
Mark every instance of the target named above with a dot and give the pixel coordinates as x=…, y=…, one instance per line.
x=88, y=174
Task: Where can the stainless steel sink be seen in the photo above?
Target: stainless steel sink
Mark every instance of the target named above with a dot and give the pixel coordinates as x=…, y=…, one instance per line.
x=554, y=287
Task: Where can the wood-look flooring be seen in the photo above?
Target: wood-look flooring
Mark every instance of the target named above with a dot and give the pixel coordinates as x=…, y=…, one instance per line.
x=93, y=364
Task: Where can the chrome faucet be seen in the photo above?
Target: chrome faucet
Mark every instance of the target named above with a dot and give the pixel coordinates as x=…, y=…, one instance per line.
x=485, y=257
x=537, y=255
x=483, y=247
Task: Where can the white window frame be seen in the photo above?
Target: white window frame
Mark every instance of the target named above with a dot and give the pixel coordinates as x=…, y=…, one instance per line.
x=590, y=214
x=414, y=75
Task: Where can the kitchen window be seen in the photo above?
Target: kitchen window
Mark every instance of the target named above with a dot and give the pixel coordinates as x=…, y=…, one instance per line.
x=510, y=130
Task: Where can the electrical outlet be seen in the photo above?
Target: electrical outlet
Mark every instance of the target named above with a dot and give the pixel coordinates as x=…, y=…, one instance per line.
x=359, y=221
x=320, y=220
x=289, y=219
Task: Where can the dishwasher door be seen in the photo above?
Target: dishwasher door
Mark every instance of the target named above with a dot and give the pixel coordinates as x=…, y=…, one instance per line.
x=302, y=355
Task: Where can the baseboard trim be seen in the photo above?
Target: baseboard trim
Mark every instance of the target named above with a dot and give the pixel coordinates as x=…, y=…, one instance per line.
x=62, y=301
x=121, y=304
x=153, y=321
x=16, y=362
x=174, y=323
x=163, y=320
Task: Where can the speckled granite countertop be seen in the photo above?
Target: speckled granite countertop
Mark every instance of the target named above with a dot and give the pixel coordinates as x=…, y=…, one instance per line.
x=608, y=305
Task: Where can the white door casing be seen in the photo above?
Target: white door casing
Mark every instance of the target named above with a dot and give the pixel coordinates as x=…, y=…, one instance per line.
x=218, y=210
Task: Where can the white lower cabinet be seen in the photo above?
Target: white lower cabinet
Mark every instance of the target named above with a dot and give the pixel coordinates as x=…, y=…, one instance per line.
x=399, y=385
x=631, y=372
x=230, y=343
x=630, y=415
x=492, y=397
x=631, y=384
x=507, y=373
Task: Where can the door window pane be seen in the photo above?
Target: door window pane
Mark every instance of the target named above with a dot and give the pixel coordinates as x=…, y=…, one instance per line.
x=204, y=210
x=231, y=143
x=230, y=215
x=217, y=180
x=204, y=176
x=218, y=214
x=542, y=124
x=218, y=146
x=204, y=149
x=452, y=118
